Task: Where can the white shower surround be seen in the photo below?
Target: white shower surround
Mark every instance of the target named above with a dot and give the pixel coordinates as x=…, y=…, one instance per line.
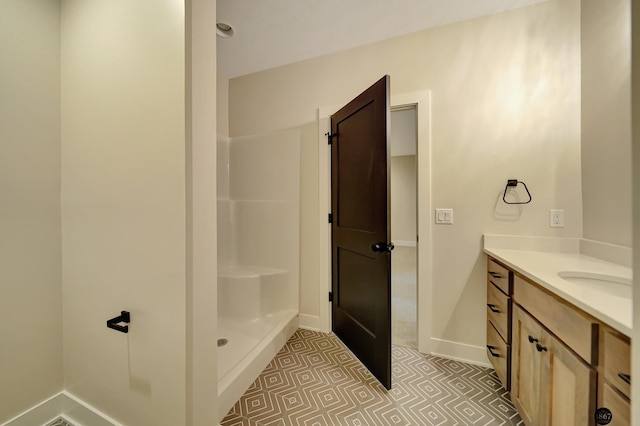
x=258, y=255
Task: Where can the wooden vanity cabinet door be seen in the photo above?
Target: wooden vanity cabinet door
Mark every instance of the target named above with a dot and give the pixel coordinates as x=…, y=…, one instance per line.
x=550, y=385
x=526, y=366
x=619, y=406
x=568, y=386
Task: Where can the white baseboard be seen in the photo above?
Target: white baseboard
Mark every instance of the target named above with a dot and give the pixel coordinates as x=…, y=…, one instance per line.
x=64, y=405
x=462, y=352
x=309, y=322
x=42, y=413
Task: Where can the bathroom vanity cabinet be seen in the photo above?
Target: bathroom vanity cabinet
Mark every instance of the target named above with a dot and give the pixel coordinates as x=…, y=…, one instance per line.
x=559, y=363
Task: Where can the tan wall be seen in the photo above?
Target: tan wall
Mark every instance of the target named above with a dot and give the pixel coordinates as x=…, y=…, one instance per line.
x=201, y=251
x=123, y=206
x=222, y=104
x=505, y=104
x=606, y=120
x=635, y=145
x=635, y=110
x=30, y=259
x=403, y=198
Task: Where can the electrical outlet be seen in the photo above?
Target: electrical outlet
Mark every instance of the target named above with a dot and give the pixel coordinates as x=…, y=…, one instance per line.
x=556, y=218
x=444, y=216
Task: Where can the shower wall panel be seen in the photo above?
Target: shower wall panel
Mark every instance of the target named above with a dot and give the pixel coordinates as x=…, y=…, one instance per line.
x=259, y=222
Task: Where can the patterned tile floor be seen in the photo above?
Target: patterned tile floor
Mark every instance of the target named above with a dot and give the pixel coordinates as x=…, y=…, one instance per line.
x=315, y=381
x=59, y=422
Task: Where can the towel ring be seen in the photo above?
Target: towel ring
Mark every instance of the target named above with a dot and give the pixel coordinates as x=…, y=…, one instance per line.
x=514, y=183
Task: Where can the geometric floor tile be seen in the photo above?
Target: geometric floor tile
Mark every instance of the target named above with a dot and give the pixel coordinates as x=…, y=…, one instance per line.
x=316, y=381
x=59, y=422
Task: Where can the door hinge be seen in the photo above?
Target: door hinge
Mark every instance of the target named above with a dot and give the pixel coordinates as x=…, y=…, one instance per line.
x=330, y=296
x=330, y=137
x=330, y=217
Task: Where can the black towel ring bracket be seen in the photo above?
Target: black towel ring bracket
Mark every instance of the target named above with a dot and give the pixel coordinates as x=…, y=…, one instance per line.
x=514, y=183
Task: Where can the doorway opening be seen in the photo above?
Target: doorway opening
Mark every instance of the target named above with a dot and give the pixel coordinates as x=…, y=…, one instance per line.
x=404, y=276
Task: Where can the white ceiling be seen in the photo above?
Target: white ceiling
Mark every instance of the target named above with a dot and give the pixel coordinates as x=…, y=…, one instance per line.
x=270, y=33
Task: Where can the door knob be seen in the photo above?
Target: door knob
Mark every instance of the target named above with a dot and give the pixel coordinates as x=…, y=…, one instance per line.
x=382, y=247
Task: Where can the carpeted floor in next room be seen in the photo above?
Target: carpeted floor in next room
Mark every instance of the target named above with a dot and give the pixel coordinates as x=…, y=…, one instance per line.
x=315, y=380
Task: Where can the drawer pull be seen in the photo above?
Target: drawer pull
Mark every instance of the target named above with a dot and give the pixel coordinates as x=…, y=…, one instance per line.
x=493, y=354
x=493, y=308
x=532, y=339
x=495, y=275
x=540, y=348
x=625, y=377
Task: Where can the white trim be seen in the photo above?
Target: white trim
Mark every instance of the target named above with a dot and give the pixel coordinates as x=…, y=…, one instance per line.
x=84, y=413
x=401, y=243
x=45, y=411
x=309, y=322
x=62, y=405
x=422, y=103
x=324, y=229
x=462, y=352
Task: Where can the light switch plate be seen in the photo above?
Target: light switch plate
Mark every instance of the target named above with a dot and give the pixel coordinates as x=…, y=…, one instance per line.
x=444, y=216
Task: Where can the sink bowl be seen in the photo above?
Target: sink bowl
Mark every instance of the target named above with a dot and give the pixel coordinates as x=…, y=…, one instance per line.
x=610, y=284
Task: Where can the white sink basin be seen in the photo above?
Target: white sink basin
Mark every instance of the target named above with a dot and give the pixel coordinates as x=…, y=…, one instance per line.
x=610, y=284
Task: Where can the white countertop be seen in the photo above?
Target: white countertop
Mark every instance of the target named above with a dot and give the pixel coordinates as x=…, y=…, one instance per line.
x=543, y=267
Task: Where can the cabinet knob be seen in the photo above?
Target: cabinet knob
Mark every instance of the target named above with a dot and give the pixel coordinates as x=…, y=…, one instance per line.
x=540, y=348
x=532, y=339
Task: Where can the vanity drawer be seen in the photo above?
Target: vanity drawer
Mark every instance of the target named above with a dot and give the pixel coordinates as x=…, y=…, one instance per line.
x=499, y=354
x=499, y=311
x=573, y=327
x=618, y=405
x=616, y=360
x=499, y=276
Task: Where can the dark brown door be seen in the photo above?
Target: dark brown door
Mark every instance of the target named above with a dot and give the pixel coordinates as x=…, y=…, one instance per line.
x=361, y=249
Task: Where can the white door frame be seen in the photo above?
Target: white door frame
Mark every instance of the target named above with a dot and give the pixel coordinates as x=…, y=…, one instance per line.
x=422, y=103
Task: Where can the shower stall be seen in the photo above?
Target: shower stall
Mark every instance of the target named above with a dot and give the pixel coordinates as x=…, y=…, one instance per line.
x=258, y=255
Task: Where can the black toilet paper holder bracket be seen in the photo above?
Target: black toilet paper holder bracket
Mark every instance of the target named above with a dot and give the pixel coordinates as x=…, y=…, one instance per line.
x=114, y=323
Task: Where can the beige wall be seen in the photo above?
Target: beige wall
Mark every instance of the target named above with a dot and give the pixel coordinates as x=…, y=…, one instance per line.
x=123, y=206
x=222, y=104
x=30, y=259
x=635, y=109
x=403, y=198
x=606, y=120
x=201, y=251
x=505, y=104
